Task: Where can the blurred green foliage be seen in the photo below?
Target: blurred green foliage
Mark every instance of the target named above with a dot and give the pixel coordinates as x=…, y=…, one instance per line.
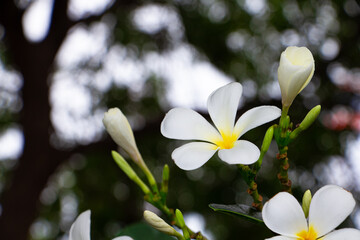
x=244, y=41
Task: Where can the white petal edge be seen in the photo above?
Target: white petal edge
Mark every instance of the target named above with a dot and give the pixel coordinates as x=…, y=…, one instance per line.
x=243, y=152
x=306, y=56
x=299, y=80
x=80, y=229
x=255, y=117
x=281, y=238
x=285, y=70
x=283, y=214
x=329, y=207
x=343, y=234
x=117, y=125
x=193, y=155
x=123, y=238
x=222, y=106
x=186, y=124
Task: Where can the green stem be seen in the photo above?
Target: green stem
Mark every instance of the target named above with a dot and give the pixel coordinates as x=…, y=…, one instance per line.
x=282, y=138
x=249, y=177
x=283, y=172
x=165, y=184
x=172, y=216
x=147, y=173
x=156, y=198
x=264, y=148
x=283, y=117
x=126, y=168
x=158, y=202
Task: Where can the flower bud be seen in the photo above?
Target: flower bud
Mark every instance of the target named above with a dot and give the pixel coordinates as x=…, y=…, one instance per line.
x=181, y=223
x=267, y=139
x=180, y=218
x=159, y=224
x=295, y=72
x=126, y=168
x=309, y=119
x=306, y=202
x=118, y=127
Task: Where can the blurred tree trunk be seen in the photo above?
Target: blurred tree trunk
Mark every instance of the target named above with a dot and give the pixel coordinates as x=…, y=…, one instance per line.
x=20, y=199
x=39, y=159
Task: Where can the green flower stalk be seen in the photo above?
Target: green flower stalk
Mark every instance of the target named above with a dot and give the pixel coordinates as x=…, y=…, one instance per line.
x=264, y=147
x=249, y=176
x=249, y=173
x=126, y=168
x=165, y=183
x=295, y=71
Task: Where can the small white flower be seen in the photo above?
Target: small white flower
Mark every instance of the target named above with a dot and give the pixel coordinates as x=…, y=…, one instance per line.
x=118, y=127
x=329, y=207
x=186, y=124
x=80, y=229
x=295, y=72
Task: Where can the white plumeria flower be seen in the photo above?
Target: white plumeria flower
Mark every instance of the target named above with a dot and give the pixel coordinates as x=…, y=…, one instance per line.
x=329, y=207
x=186, y=124
x=80, y=229
x=295, y=71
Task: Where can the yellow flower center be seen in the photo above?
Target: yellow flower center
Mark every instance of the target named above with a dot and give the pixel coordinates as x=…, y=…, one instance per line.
x=227, y=141
x=307, y=235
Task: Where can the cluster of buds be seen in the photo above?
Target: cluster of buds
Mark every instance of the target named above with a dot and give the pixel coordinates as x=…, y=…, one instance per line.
x=295, y=71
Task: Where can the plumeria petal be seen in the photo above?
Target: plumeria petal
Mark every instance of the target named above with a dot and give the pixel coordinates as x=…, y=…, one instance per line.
x=193, y=155
x=343, y=234
x=256, y=117
x=223, y=104
x=243, y=152
x=329, y=207
x=297, y=83
x=186, y=124
x=305, y=58
x=80, y=229
x=283, y=214
x=281, y=238
x=123, y=238
x=285, y=70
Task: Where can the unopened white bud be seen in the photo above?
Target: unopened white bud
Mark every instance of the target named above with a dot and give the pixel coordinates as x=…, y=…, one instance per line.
x=295, y=72
x=118, y=127
x=159, y=224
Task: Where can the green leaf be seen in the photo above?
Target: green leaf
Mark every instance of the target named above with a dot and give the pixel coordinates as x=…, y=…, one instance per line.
x=142, y=231
x=240, y=210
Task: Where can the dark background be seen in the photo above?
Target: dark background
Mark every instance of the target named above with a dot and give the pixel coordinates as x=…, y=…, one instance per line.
x=65, y=167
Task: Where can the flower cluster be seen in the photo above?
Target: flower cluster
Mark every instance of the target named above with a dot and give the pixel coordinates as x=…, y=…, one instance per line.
x=316, y=219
